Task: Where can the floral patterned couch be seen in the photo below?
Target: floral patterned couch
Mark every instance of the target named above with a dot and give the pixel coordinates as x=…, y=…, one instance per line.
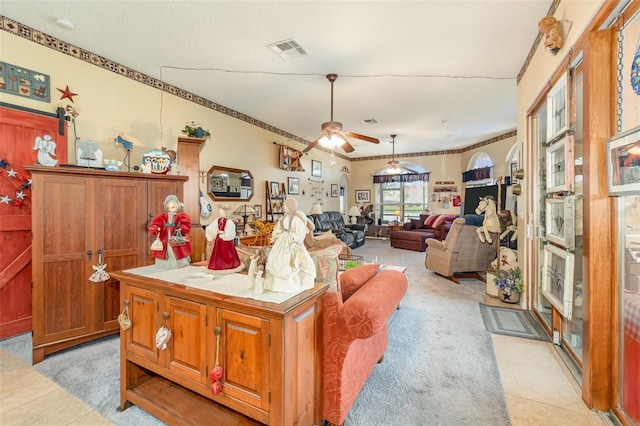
x=355, y=333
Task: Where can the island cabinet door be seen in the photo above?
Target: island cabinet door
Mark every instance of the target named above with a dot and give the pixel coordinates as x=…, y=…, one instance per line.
x=244, y=357
x=142, y=306
x=186, y=350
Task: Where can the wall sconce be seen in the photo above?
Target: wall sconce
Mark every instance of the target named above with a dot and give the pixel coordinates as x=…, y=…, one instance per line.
x=519, y=174
x=516, y=189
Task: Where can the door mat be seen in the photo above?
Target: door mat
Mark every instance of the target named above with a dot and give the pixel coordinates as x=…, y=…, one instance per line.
x=512, y=322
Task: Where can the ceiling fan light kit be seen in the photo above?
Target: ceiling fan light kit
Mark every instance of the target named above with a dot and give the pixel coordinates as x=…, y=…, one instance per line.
x=332, y=135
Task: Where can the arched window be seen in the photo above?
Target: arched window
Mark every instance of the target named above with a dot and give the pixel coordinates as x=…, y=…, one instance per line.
x=478, y=161
x=401, y=201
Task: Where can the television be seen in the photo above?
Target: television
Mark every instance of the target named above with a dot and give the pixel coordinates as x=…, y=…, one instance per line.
x=472, y=197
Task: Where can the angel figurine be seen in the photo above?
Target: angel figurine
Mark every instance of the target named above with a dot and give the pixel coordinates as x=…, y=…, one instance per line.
x=46, y=148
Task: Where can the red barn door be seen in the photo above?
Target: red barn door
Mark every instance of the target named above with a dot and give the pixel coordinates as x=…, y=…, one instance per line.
x=18, y=133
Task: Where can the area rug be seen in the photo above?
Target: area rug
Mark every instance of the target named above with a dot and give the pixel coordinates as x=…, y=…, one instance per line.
x=439, y=368
x=512, y=322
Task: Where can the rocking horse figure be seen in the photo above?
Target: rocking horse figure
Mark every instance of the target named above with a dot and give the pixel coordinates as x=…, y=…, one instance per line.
x=498, y=222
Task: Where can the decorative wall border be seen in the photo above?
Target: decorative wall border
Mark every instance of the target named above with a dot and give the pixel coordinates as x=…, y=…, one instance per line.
x=494, y=139
x=43, y=39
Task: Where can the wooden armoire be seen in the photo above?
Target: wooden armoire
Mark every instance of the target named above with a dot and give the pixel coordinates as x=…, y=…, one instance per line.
x=79, y=217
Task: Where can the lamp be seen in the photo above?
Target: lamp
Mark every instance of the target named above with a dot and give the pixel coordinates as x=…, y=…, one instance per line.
x=354, y=211
x=315, y=209
x=245, y=211
x=128, y=146
x=397, y=214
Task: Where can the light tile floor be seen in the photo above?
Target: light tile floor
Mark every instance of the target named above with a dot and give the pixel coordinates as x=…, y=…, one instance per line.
x=542, y=393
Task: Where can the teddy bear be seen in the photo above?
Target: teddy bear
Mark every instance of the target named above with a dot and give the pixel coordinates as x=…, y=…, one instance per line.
x=552, y=29
x=508, y=259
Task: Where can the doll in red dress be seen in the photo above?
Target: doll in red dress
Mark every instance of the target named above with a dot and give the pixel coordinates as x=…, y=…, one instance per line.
x=224, y=257
x=172, y=248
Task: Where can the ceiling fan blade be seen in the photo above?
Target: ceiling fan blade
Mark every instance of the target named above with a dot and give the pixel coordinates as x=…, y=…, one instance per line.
x=347, y=147
x=311, y=146
x=362, y=137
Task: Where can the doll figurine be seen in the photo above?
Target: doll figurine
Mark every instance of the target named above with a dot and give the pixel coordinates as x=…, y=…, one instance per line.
x=289, y=265
x=224, y=257
x=172, y=248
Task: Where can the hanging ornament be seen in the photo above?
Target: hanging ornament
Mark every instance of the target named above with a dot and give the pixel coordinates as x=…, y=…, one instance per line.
x=216, y=374
x=635, y=71
x=100, y=275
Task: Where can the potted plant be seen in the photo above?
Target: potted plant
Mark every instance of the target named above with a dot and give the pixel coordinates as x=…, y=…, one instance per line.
x=509, y=284
x=195, y=130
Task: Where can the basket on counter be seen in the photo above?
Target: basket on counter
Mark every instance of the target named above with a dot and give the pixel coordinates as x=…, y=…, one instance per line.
x=346, y=261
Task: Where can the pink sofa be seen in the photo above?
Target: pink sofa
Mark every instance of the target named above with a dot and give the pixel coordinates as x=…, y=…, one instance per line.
x=355, y=333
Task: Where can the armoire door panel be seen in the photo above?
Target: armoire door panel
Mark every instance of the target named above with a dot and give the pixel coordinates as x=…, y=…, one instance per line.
x=62, y=216
x=65, y=312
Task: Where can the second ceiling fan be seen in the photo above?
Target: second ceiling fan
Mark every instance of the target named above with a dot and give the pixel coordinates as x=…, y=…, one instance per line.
x=332, y=134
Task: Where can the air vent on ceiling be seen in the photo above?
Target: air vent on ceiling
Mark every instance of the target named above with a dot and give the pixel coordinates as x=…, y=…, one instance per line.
x=369, y=121
x=287, y=49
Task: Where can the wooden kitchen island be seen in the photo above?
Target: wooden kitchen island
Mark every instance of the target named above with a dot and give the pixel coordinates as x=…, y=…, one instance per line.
x=269, y=353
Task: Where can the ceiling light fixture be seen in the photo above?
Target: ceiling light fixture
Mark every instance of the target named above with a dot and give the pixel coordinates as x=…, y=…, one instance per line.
x=394, y=172
x=65, y=24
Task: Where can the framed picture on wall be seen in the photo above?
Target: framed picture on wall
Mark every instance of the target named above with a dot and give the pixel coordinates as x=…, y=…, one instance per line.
x=334, y=190
x=293, y=184
x=557, y=279
x=560, y=165
x=275, y=189
x=557, y=105
x=560, y=214
x=363, y=196
x=258, y=209
x=623, y=163
x=316, y=168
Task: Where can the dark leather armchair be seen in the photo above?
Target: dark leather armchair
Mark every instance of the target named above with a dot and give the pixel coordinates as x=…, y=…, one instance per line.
x=351, y=234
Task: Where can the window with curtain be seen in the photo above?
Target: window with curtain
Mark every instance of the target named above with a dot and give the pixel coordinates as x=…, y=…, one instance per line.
x=478, y=161
x=401, y=201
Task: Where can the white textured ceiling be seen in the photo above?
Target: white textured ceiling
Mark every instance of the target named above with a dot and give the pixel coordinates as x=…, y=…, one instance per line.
x=410, y=65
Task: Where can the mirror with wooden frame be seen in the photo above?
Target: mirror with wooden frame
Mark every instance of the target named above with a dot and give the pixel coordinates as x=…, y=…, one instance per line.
x=228, y=184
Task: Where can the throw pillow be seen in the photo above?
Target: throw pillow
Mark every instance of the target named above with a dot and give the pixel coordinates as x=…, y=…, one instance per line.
x=325, y=239
x=429, y=221
x=326, y=263
x=354, y=278
x=439, y=221
x=416, y=223
x=473, y=219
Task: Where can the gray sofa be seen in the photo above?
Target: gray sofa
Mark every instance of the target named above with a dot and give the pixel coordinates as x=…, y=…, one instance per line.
x=351, y=234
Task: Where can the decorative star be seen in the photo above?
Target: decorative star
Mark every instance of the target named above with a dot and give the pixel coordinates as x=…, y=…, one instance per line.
x=12, y=173
x=66, y=93
x=5, y=199
x=4, y=163
x=20, y=195
x=18, y=203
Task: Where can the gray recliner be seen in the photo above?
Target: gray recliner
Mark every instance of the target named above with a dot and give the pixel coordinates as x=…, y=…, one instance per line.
x=461, y=254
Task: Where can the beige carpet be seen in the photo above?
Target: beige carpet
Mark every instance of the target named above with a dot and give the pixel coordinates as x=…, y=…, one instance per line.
x=439, y=369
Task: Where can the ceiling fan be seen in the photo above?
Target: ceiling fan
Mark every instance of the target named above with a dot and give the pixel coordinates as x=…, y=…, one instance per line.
x=332, y=134
x=393, y=166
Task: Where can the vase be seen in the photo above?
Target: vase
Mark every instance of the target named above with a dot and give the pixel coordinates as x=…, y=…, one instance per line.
x=508, y=296
x=198, y=132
